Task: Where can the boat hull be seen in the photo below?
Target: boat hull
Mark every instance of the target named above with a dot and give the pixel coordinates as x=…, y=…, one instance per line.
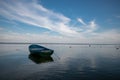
x=40, y=51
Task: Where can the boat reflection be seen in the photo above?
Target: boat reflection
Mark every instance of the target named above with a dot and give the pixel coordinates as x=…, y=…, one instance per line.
x=38, y=59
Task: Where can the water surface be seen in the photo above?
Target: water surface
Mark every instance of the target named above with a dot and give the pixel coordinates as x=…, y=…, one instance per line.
x=69, y=62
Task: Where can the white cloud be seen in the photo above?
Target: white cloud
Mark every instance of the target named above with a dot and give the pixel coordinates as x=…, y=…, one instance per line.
x=1, y=28
x=35, y=14
x=117, y=16
x=111, y=36
x=88, y=28
x=92, y=26
x=81, y=21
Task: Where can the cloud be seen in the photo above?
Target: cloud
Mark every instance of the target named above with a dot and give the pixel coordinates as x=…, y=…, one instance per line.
x=88, y=28
x=28, y=37
x=81, y=21
x=1, y=29
x=111, y=37
x=92, y=26
x=35, y=14
x=117, y=16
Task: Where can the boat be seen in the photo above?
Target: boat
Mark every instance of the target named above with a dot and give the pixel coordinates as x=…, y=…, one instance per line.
x=40, y=50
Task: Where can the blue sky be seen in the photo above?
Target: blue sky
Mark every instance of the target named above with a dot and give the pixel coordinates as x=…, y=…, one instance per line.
x=76, y=21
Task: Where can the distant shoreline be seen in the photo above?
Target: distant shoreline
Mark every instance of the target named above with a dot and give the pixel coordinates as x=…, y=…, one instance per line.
x=59, y=43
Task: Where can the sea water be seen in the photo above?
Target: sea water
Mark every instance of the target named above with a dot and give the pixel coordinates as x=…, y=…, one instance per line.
x=68, y=62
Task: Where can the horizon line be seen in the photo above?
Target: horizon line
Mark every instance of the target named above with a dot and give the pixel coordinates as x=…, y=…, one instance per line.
x=59, y=43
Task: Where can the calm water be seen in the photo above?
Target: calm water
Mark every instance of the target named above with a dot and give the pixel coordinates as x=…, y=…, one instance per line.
x=69, y=62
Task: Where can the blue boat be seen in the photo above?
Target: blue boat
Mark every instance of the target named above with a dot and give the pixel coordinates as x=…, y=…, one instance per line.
x=40, y=50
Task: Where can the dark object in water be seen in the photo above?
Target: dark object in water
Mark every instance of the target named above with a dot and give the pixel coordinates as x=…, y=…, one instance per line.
x=89, y=45
x=40, y=50
x=117, y=48
x=38, y=59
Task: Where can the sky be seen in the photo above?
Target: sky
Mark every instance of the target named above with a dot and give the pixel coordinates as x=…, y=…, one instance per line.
x=60, y=21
